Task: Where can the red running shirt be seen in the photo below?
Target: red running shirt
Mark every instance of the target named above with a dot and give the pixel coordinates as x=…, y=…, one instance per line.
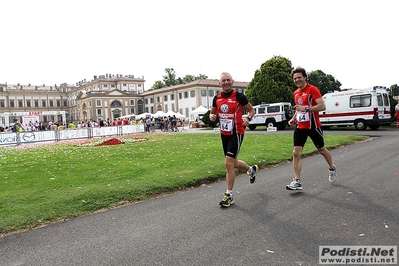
x=229, y=111
x=307, y=97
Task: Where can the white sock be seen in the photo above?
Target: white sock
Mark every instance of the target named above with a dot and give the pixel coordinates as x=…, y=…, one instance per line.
x=250, y=169
x=230, y=192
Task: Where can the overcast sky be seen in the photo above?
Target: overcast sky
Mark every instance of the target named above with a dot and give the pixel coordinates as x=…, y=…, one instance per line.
x=56, y=41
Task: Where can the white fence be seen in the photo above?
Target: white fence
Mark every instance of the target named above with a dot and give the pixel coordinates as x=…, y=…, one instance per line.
x=29, y=137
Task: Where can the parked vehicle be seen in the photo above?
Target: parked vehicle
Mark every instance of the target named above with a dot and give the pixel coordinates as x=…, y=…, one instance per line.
x=271, y=115
x=359, y=107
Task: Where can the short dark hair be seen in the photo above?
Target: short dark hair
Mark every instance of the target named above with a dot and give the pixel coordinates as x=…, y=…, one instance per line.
x=299, y=70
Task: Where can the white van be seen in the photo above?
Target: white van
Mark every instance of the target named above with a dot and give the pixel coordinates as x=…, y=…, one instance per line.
x=271, y=115
x=359, y=107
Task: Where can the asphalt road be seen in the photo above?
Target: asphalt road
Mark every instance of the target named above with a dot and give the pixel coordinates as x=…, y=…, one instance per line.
x=268, y=225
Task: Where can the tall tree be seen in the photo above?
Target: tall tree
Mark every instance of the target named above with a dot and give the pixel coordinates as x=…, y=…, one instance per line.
x=272, y=82
x=170, y=78
x=325, y=82
x=188, y=78
x=157, y=85
x=395, y=90
x=201, y=76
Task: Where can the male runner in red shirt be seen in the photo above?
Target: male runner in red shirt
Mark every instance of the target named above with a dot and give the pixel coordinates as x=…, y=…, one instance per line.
x=308, y=103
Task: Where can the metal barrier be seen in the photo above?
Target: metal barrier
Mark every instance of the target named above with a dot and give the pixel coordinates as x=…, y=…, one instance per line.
x=31, y=137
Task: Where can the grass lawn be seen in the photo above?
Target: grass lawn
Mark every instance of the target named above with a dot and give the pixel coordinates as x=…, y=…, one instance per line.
x=47, y=183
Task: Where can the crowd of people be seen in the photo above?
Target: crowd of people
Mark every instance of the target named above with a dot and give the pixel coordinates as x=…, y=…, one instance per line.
x=167, y=123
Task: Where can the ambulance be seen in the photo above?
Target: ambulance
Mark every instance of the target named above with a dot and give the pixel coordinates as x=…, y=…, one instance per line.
x=359, y=107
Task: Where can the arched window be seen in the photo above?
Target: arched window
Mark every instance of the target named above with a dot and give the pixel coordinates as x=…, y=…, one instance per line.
x=116, y=104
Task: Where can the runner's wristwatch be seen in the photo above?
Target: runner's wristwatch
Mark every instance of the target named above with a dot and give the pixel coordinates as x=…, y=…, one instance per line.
x=307, y=108
x=249, y=118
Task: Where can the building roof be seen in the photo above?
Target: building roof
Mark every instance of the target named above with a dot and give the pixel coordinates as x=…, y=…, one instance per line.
x=195, y=83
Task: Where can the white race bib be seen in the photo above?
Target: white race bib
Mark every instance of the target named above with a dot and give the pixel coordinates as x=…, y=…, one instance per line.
x=302, y=116
x=226, y=125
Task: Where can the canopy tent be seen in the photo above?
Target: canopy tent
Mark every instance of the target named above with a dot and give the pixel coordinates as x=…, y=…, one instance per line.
x=170, y=113
x=144, y=115
x=127, y=116
x=179, y=115
x=159, y=114
x=199, y=112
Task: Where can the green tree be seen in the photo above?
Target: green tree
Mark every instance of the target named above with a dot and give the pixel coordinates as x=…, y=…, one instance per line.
x=395, y=90
x=188, y=78
x=325, y=82
x=201, y=76
x=157, y=85
x=272, y=82
x=170, y=78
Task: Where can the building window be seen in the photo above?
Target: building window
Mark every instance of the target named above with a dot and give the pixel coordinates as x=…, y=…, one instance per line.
x=152, y=100
x=158, y=99
x=192, y=93
x=185, y=94
x=116, y=104
x=146, y=101
x=203, y=92
x=165, y=98
x=105, y=85
x=112, y=86
x=12, y=103
x=98, y=102
x=58, y=103
x=36, y=103
x=166, y=108
x=20, y=103
x=132, y=110
x=132, y=102
x=180, y=95
x=210, y=93
x=44, y=103
x=2, y=104
x=28, y=103
x=65, y=103
x=51, y=103
x=99, y=112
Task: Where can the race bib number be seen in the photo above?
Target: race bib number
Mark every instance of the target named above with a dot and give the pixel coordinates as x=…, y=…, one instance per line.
x=302, y=116
x=226, y=125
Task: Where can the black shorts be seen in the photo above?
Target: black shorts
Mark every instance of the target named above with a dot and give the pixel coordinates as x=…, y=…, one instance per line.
x=232, y=144
x=316, y=135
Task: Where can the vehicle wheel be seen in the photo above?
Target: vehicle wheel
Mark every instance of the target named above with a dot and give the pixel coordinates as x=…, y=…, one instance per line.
x=360, y=124
x=281, y=126
x=252, y=127
x=270, y=123
x=374, y=127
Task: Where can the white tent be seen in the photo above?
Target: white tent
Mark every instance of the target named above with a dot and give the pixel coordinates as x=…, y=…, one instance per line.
x=170, y=113
x=127, y=116
x=143, y=115
x=179, y=115
x=159, y=114
x=199, y=112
